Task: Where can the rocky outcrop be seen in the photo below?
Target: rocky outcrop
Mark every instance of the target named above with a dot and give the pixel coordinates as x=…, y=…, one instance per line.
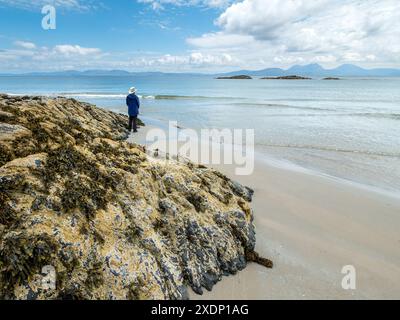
x=239, y=77
x=110, y=221
x=294, y=77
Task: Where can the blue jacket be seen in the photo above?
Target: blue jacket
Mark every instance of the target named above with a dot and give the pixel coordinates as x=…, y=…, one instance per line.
x=133, y=103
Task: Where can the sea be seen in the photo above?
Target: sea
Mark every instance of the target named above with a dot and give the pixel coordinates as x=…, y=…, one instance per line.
x=347, y=129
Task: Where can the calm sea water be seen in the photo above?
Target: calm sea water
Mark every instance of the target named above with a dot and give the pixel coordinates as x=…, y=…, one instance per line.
x=348, y=129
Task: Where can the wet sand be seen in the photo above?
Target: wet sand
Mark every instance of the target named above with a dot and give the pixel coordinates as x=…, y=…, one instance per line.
x=311, y=226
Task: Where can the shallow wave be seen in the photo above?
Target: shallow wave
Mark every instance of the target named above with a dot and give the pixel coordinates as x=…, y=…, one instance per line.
x=321, y=148
x=15, y=94
x=332, y=112
x=83, y=95
x=179, y=97
x=277, y=105
x=103, y=95
x=331, y=99
x=393, y=116
x=92, y=95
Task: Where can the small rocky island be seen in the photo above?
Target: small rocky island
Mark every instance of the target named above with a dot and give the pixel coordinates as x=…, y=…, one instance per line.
x=294, y=77
x=109, y=219
x=331, y=78
x=239, y=77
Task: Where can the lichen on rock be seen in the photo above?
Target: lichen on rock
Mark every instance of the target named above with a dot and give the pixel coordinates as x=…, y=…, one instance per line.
x=113, y=222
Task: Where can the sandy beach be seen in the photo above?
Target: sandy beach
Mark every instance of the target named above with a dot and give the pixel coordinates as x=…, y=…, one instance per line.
x=311, y=226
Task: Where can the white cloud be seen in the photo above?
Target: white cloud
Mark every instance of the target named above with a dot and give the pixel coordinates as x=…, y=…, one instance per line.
x=67, y=56
x=220, y=40
x=262, y=18
x=29, y=56
x=71, y=50
x=160, y=4
x=192, y=60
x=329, y=32
x=25, y=45
x=251, y=34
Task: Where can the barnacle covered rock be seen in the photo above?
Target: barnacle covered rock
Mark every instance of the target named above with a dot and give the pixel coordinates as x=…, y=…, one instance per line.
x=111, y=221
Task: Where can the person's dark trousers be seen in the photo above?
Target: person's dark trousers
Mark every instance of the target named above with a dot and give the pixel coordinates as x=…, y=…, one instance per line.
x=132, y=124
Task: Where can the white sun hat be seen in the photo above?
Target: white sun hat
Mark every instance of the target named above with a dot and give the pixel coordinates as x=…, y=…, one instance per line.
x=132, y=90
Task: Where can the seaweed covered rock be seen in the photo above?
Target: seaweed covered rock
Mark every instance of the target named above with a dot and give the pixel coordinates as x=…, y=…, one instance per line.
x=112, y=222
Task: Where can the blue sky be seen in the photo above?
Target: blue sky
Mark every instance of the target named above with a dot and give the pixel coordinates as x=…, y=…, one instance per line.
x=198, y=35
x=124, y=25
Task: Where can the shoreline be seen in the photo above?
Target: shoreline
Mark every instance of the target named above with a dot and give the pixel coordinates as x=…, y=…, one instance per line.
x=289, y=166
x=270, y=160
x=311, y=226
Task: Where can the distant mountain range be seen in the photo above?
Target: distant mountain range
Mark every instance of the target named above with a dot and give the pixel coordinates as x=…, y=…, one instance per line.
x=310, y=70
x=315, y=70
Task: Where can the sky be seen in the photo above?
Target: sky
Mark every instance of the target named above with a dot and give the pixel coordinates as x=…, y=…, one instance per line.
x=198, y=35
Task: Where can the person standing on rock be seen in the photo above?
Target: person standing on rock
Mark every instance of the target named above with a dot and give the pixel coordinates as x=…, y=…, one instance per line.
x=133, y=103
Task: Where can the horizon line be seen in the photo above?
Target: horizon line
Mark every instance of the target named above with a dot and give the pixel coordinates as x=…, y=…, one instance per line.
x=198, y=73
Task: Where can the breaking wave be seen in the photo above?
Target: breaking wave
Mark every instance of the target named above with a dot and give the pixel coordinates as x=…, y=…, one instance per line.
x=332, y=149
